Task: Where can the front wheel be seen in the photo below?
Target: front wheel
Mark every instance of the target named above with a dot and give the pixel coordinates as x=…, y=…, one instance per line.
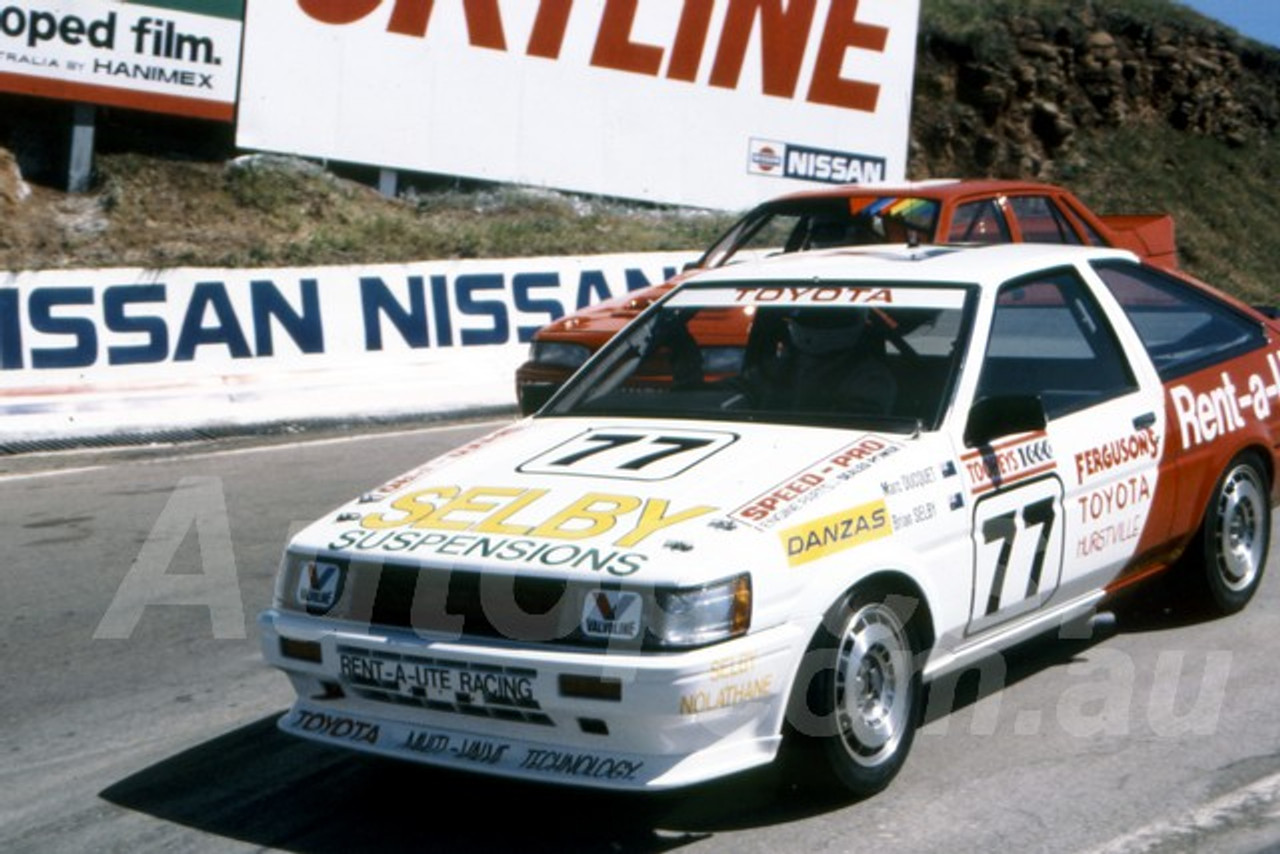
x=1235, y=535
x=862, y=692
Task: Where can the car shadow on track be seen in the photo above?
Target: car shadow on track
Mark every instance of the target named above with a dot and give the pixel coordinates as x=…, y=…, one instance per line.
x=1165, y=604
x=259, y=786
x=262, y=787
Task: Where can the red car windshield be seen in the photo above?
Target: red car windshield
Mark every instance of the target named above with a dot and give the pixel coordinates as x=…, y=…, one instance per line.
x=795, y=225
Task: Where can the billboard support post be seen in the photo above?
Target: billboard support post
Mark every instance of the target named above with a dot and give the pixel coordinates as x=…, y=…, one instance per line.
x=388, y=182
x=80, y=152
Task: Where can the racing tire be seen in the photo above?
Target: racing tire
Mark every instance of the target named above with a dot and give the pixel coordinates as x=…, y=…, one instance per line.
x=859, y=696
x=1231, y=546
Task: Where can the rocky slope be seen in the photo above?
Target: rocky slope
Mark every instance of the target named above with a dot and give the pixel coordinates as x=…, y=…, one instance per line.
x=1017, y=94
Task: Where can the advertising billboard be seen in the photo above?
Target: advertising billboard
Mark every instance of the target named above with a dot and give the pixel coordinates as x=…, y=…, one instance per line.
x=97, y=352
x=180, y=57
x=711, y=103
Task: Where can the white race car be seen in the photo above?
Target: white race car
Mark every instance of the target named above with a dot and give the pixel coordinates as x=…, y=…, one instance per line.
x=918, y=456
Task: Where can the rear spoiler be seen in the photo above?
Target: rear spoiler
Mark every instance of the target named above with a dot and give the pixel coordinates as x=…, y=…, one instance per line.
x=1149, y=235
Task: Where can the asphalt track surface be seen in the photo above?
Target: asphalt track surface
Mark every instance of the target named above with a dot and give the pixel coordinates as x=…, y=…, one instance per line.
x=130, y=725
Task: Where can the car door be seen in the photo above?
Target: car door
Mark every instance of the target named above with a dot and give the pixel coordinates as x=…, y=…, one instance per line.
x=1058, y=511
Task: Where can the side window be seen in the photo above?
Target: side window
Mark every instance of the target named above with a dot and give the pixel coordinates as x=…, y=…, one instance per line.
x=1040, y=221
x=1049, y=338
x=1091, y=235
x=1183, y=328
x=978, y=222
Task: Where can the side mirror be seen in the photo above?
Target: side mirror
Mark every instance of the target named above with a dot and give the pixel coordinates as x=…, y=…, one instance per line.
x=533, y=396
x=991, y=418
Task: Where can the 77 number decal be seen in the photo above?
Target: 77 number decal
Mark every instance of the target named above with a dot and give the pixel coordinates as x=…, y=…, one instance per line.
x=630, y=454
x=1017, y=551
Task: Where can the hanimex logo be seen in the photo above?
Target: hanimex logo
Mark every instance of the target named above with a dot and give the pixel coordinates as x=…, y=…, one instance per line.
x=319, y=586
x=611, y=614
x=690, y=50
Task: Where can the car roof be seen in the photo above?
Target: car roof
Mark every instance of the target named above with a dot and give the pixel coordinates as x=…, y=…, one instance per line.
x=939, y=188
x=981, y=265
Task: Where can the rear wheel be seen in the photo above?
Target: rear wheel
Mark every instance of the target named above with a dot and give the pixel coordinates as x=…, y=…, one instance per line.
x=862, y=692
x=1235, y=535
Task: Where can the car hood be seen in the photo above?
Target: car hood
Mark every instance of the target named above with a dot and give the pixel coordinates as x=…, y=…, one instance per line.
x=612, y=314
x=670, y=502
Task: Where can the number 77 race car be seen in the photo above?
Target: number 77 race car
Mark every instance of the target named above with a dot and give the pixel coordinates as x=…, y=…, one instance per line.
x=923, y=456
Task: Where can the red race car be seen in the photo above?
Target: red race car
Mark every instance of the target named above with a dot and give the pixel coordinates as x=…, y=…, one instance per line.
x=933, y=212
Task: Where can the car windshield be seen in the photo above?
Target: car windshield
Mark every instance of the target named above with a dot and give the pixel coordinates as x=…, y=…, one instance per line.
x=881, y=355
x=794, y=225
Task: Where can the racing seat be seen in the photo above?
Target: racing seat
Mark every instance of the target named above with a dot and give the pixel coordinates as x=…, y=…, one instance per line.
x=818, y=361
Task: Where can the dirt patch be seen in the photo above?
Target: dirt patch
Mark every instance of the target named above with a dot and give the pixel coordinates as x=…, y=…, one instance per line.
x=13, y=189
x=259, y=210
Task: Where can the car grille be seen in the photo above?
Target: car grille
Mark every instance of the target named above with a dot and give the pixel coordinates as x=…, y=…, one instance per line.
x=447, y=602
x=455, y=604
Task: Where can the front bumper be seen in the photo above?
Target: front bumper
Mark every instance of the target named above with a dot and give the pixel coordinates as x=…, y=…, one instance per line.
x=621, y=720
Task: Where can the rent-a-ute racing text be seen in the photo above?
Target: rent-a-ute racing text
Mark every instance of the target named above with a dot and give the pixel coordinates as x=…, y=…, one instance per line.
x=903, y=460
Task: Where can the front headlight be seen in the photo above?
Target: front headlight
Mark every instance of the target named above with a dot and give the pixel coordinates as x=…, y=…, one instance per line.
x=558, y=354
x=695, y=616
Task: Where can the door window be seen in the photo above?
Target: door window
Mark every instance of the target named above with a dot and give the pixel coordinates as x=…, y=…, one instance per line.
x=1040, y=221
x=1049, y=338
x=978, y=222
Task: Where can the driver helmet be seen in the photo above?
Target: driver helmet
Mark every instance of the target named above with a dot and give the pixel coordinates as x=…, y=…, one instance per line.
x=819, y=333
